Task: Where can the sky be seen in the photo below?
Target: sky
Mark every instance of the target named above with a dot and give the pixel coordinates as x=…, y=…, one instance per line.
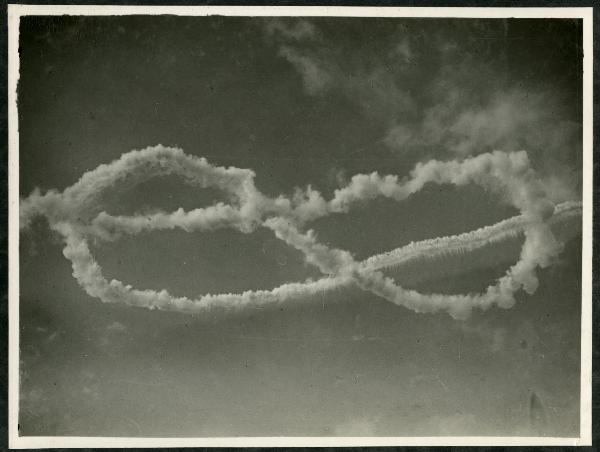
x=300, y=102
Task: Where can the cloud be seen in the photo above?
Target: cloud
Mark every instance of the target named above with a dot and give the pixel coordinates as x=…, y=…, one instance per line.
x=316, y=78
x=291, y=36
x=514, y=119
x=295, y=29
x=436, y=91
x=326, y=68
x=71, y=214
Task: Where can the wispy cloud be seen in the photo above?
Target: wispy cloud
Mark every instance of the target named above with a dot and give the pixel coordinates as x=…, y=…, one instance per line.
x=435, y=95
x=291, y=29
x=315, y=76
x=325, y=68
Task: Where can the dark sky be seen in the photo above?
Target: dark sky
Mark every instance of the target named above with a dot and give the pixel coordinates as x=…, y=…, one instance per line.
x=300, y=102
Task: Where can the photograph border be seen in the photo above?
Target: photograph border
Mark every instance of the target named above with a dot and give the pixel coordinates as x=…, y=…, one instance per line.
x=15, y=12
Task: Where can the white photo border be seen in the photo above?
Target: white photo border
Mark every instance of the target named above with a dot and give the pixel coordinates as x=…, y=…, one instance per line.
x=15, y=12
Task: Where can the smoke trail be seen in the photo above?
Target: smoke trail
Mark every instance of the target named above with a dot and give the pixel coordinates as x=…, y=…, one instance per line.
x=76, y=215
x=469, y=241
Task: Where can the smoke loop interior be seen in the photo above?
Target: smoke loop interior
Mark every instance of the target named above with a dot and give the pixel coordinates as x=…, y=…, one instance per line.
x=73, y=213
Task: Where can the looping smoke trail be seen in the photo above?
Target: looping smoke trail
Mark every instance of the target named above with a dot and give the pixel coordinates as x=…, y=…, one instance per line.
x=74, y=215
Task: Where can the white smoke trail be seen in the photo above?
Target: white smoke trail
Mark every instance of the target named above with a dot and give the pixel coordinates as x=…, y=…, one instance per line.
x=74, y=214
x=467, y=242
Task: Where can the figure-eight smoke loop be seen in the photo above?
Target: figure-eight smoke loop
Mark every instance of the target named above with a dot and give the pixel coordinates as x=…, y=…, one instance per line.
x=75, y=214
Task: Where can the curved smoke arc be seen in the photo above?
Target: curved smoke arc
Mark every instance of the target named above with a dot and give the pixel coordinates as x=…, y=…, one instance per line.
x=74, y=214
